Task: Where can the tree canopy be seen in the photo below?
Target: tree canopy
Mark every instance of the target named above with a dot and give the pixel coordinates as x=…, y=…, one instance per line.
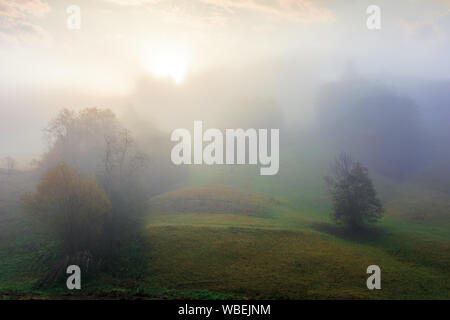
x=354, y=198
x=72, y=206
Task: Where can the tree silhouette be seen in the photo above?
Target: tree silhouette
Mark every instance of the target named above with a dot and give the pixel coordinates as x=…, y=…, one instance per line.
x=355, y=201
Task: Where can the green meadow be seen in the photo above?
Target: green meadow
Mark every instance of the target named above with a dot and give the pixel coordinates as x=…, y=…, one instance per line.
x=228, y=233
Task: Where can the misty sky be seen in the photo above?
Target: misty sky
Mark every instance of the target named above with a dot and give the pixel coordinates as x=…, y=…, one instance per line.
x=163, y=60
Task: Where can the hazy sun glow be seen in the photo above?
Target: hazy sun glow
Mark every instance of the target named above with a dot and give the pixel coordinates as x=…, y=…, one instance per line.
x=169, y=63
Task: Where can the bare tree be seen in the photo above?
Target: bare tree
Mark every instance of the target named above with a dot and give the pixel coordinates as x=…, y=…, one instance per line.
x=10, y=165
x=94, y=141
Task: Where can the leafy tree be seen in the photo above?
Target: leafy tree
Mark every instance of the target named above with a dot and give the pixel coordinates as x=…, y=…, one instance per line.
x=94, y=141
x=74, y=210
x=355, y=201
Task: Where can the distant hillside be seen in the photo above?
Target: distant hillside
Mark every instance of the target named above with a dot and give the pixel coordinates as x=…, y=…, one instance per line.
x=213, y=199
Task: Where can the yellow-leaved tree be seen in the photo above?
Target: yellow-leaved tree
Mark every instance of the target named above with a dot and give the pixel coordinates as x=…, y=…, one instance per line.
x=74, y=209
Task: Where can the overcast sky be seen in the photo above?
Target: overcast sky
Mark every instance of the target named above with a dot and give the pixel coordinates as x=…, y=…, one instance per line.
x=176, y=56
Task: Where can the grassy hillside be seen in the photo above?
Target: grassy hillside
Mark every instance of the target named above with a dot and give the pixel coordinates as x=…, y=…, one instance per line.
x=282, y=264
x=230, y=233
x=287, y=256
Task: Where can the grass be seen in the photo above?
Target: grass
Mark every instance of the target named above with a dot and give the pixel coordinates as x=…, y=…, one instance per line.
x=294, y=265
x=230, y=233
x=298, y=261
x=217, y=198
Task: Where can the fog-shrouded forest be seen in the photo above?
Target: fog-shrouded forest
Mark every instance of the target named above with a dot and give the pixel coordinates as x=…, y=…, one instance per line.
x=87, y=179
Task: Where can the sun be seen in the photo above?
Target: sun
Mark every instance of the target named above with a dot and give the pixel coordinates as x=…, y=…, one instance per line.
x=168, y=64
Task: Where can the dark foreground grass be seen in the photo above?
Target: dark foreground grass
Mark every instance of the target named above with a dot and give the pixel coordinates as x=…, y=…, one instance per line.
x=268, y=264
x=231, y=248
x=198, y=262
